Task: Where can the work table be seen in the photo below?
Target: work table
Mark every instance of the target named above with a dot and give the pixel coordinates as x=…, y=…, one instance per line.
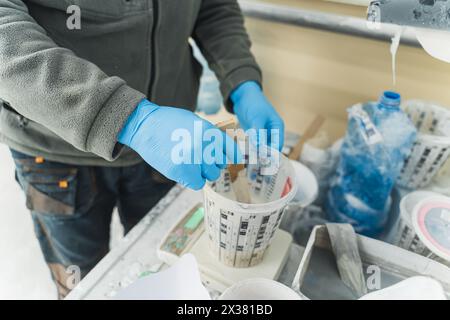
x=137, y=251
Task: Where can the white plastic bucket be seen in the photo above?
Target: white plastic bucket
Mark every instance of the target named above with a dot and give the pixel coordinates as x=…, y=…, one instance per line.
x=441, y=183
x=431, y=221
x=308, y=188
x=307, y=192
x=404, y=235
x=432, y=148
x=259, y=289
x=240, y=233
x=409, y=233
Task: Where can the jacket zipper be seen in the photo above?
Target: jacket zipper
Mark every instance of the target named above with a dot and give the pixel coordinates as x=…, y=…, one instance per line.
x=153, y=48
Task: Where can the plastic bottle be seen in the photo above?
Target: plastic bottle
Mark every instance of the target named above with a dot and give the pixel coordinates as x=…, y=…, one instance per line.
x=210, y=98
x=379, y=138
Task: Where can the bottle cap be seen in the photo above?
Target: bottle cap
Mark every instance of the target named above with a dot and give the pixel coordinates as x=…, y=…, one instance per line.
x=391, y=99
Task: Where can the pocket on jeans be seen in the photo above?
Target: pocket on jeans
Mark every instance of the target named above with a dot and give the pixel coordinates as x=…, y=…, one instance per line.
x=49, y=190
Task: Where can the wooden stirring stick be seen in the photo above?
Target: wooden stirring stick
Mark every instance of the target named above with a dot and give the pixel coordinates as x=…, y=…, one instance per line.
x=310, y=132
x=239, y=182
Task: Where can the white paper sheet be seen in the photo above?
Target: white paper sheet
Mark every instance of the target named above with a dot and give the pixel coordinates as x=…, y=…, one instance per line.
x=436, y=43
x=415, y=288
x=180, y=282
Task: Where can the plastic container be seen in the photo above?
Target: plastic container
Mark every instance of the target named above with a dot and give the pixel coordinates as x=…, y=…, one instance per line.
x=404, y=234
x=441, y=183
x=209, y=98
x=260, y=289
x=432, y=148
x=308, y=189
x=240, y=233
x=318, y=277
x=379, y=138
x=431, y=221
x=307, y=193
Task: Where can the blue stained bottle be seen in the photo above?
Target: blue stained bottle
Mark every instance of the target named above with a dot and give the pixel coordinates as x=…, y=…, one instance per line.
x=379, y=138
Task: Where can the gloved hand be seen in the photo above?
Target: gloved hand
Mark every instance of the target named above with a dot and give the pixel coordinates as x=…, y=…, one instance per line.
x=254, y=111
x=173, y=141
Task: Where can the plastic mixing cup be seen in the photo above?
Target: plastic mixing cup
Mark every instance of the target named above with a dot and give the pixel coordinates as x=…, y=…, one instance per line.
x=240, y=233
x=405, y=236
x=431, y=221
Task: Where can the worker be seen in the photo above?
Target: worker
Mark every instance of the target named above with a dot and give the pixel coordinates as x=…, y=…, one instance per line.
x=93, y=91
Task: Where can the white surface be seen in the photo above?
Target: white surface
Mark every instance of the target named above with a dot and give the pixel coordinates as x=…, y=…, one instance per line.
x=415, y=288
x=180, y=282
x=259, y=289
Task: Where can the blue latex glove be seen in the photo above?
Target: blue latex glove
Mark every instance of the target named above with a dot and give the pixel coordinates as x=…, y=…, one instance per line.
x=254, y=111
x=150, y=129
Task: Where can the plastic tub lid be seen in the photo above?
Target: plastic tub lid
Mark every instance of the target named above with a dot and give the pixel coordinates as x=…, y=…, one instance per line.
x=431, y=220
x=411, y=200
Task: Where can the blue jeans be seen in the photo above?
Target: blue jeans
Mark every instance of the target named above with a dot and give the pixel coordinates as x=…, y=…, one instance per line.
x=72, y=206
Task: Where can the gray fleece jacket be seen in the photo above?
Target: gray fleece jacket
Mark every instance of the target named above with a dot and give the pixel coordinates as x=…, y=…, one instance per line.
x=68, y=93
